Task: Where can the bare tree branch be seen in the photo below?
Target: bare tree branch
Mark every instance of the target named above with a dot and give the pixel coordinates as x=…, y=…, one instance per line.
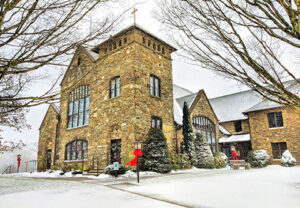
x=238, y=39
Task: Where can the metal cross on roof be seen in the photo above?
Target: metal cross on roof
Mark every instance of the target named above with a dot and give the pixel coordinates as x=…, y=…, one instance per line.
x=133, y=12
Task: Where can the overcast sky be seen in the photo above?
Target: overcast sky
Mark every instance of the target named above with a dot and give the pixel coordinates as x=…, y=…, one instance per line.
x=185, y=75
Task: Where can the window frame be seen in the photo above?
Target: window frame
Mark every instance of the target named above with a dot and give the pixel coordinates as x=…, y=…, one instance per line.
x=156, y=119
x=204, y=124
x=114, y=90
x=76, y=97
x=281, y=147
x=83, y=151
x=238, y=126
x=153, y=88
x=275, y=123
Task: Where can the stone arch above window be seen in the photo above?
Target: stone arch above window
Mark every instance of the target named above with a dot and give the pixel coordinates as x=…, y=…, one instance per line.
x=76, y=150
x=207, y=128
x=78, y=108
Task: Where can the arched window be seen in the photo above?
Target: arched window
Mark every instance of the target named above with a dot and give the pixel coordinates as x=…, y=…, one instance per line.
x=79, y=105
x=207, y=128
x=76, y=149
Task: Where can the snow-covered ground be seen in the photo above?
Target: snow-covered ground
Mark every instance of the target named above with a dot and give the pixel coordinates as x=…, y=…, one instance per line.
x=273, y=186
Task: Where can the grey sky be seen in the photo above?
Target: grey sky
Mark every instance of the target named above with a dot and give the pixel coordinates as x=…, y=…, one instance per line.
x=189, y=76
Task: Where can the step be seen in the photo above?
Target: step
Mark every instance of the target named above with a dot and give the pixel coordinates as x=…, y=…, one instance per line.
x=94, y=172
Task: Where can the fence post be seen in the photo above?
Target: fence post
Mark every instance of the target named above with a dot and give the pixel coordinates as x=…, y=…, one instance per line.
x=82, y=165
x=93, y=162
x=97, y=165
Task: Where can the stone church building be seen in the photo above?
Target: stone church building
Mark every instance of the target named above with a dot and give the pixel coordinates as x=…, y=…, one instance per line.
x=114, y=93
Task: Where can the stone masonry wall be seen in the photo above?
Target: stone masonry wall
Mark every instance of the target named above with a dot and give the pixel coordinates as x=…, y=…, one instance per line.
x=262, y=136
x=47, y=137
x=230, y=127
x=203, y=108
x=127, y=117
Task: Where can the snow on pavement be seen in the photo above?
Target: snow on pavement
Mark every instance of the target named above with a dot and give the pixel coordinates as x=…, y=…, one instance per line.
x=270, y=187
x=37, y=193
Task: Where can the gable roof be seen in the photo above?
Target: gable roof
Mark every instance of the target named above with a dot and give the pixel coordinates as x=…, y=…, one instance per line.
x=189, y=99
x=233, y=106
x=55, y=108
x=93, y=55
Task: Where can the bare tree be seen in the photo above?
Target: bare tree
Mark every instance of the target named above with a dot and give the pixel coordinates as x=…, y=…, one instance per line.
x=40, y=34
x=10, y=146
x=240, y=40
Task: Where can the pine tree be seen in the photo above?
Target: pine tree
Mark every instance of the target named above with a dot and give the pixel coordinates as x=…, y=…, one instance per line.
x=188, y=146
x=204, y=155
x=156, y=155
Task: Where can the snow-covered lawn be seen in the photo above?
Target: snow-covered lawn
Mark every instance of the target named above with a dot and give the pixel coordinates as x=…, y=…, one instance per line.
x=273, y=186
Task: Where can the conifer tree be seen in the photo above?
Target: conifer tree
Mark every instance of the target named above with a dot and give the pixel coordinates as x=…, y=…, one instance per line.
x=204, y=156
x=187, y=145
x=156, y=155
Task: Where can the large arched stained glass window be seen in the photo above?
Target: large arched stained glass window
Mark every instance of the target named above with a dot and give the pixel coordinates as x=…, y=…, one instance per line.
x=76, y=150
x=207, y=128
x=79, y=105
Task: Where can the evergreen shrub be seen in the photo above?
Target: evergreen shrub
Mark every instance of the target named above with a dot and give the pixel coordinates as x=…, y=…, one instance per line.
x=287, y=159
x=180, y=161
x=110, y=170
x=187, y=146
x=258, y=158
x=220, y=160
x=156, y=155
x=204, y=156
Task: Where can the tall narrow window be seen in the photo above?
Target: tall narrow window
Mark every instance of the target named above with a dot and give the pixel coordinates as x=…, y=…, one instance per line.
x=78, y=108
x=156, y=122
x=154, y=86
x=163, y=50
x=144, y=40
x=115, y=87
x=149, y=43
x=76, y=150
x=120, y=43
x=238, y=126
x=78, y=61
x=275, y=120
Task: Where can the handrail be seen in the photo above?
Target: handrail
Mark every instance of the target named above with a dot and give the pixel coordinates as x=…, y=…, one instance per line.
x=6, y=170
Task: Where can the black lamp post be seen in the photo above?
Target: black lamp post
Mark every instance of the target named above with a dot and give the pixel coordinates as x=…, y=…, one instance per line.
x=138, y=146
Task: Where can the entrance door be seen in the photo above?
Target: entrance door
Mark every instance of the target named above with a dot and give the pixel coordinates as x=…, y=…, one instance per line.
x=115, y=150
x=49, y=153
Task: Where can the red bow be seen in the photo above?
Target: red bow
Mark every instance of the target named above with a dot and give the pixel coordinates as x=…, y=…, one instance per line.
x=137, y=153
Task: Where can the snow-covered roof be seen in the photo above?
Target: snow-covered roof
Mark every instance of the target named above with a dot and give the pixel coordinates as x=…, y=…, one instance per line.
x=223, y=130
x=235, y=138
x=231, y=107
x=55, y=107
x=180, y=91
x=266, y=104
x=189, y=99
